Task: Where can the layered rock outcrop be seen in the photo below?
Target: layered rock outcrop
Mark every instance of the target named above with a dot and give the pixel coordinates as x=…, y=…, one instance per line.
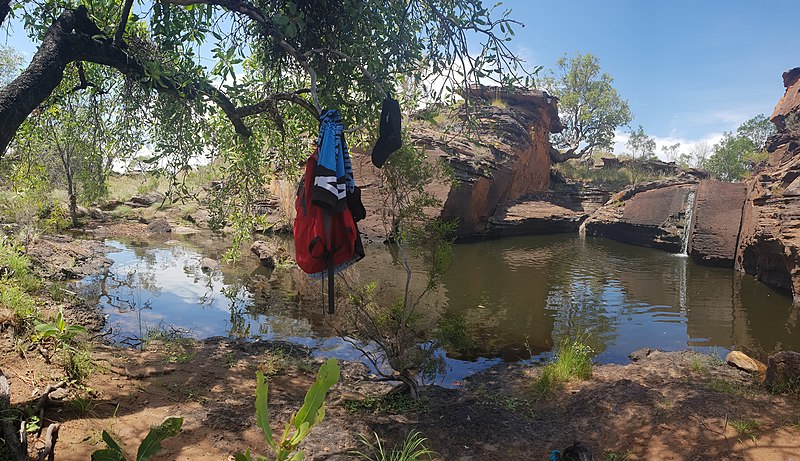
x=501, y=158
x=769, y=244
x=753, y=226
x=717, y=219
x=649, y=214
x=563, y=208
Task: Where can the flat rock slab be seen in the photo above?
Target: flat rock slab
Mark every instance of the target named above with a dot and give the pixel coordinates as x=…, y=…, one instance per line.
x=717, y=219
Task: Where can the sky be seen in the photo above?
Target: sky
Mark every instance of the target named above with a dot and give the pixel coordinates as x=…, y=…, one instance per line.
x=690, y=70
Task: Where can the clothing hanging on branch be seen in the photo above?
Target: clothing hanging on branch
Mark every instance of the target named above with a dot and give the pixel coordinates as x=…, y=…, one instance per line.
x=327, y=207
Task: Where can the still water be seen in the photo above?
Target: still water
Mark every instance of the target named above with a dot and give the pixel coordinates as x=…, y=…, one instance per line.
x=517, y=297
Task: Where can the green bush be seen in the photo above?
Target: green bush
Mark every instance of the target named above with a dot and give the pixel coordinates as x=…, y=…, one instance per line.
x=19, y=302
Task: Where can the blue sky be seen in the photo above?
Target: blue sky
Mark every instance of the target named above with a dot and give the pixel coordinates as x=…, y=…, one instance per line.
x=689, y=69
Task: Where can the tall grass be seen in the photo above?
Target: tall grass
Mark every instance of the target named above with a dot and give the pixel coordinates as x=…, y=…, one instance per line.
x=572, y=360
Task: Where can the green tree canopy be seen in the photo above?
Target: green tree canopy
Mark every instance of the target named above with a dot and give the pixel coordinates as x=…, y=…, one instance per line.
x=266, y=55
x=589, y=107
x=738, y=153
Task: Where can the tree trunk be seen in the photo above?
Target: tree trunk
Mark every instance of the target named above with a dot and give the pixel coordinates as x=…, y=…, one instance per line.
x=74, y=37
x=556, y=156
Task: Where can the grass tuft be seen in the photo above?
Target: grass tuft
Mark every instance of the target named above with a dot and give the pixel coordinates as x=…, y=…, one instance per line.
x=745, y=428
x=573, y=360
x=412, y=449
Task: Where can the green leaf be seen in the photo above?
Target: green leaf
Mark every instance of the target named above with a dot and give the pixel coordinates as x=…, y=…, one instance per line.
x=262, y=410
x=107, y=454
x=152, y=443
x=239, y=456
x=298, y=456
x=112, y=453
x=110, y=442
x=327, y=376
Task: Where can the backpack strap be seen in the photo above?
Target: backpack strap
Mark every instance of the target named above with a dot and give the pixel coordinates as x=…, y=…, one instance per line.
x=328, y=259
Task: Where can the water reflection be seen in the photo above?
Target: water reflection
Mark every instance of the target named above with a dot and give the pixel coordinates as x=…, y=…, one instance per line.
x=519, y=295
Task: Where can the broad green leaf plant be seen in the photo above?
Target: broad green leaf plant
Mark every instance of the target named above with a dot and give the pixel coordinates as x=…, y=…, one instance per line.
x=295, y=431
x=149, y=446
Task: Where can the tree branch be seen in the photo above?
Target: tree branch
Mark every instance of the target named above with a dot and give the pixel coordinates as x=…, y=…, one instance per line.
x=254, y=13
x=74, y=37
x=123, y=21
x=268, y=103
x=5, y=9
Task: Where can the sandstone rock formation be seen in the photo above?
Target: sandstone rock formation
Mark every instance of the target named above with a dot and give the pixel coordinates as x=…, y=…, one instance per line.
x=769, y=243
x=783, y=371
x=649, y=214
x=563, y=208
x=744, y=362
x=503, y=157
x=717, y=219
x=753, y=226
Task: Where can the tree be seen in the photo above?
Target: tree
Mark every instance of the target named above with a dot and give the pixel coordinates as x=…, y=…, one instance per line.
x=589, y=107
x=757, y=130
x=737, y=154
x=727, y=163
x=10, y=61
x=671, y=152
x=640, y=145
x=700, y=153
x=309, y=54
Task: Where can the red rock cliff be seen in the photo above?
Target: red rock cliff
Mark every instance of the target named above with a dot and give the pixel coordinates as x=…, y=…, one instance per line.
x=501, y=158
x=769, y=243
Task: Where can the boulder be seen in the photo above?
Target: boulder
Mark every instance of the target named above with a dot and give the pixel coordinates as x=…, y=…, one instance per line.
x=266, y=253
x=97, y=213
x=640, y=354
x=147, y=199
x=110, y=205
x=159, y=226
x=783, y=371
x=199, y=217
x=208, y=264
x=744, y=362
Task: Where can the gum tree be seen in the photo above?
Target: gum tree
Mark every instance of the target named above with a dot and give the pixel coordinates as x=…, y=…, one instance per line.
x=589, y=107
x=274, y=64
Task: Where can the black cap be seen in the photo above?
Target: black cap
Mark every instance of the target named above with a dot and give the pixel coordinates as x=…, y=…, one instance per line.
x=390, y=138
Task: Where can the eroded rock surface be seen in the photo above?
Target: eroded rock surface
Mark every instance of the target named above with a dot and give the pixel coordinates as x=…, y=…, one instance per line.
x=650, y=214
x=717, y=219
x=504, y=158
x=769, y=243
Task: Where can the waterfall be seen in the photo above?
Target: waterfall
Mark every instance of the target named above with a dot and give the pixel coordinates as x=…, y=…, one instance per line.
x=687, y=227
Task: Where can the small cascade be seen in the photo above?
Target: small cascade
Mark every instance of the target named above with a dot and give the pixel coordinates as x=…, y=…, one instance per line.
x=687, y=227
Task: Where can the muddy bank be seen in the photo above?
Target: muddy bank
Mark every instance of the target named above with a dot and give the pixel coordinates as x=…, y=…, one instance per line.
x=677, y=405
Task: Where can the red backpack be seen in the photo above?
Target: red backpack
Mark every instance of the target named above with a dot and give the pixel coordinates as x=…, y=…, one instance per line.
x=325, y=241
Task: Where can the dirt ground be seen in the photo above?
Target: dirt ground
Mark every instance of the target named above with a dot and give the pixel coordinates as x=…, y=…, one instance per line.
x=664, y=406
x=667, y=406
